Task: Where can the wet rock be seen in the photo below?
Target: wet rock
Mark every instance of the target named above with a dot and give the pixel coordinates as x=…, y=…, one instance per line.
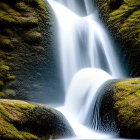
x=20, y=120
x=120, y=107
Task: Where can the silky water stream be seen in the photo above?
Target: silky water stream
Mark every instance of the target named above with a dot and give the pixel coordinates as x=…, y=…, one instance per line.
x=87, y=59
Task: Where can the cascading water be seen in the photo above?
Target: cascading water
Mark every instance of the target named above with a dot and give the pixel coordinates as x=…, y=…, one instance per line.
x=83, y=43
x=87, y=60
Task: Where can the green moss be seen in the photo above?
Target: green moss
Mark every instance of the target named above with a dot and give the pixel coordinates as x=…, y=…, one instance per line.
x=5, y=113
x=14, y=111
x=3, y=95
x=24, y=25
x=29, y=136
x=10, y=92
x=6, y=42
x=20, y=120
x=5, y=18
x=8, y=131
x=21, y=105
x=122, y=18
x=1, y=83
x=118, y=17
x=33, y=37
x=138, y=94
x=6, y=77
x=130, y=29
x=127, y=103
x=4, y=67
x=27, y=20
x=7, y=8
x=130, y=86
x=10, y=77
x=34, y=34
x=132, y=2
x=22, y=6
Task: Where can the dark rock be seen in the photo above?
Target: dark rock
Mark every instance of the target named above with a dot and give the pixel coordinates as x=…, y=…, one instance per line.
x=119, y=107
x=27, y=56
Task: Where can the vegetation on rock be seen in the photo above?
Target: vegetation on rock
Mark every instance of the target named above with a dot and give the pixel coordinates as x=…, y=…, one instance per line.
x=20, y=120
x=120, y=107
x=127, y=104
x=123, y=19
x=5, y=78
x=26, y=49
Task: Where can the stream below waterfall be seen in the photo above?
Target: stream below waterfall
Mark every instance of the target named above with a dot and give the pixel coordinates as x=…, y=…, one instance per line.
x=88, y=59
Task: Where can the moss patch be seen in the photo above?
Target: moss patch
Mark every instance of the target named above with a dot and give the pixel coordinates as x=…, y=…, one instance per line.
x=24, y=121
x=5, y=78
x=122, y=18
x=119, y=107
x=26, y=48
x=127, y=104
x=11, y=113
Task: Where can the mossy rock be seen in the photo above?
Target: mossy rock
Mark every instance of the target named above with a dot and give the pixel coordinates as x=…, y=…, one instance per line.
x=27, y=44
x=120, y=107
x=3, y=95
x=127, y=103
x=20, y=120
x=122, y=18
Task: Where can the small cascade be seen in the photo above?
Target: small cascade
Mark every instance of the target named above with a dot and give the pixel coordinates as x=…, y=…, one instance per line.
x=87, y=58
x=82, y=90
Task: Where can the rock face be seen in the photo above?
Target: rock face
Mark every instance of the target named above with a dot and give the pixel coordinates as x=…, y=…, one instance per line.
x=122, y=17
x=27, y=65
x=120, y=107
x=25, y=121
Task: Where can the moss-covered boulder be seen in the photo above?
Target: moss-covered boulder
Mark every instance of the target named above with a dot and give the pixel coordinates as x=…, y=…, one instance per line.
x=27, y=57
x=20, y=120
x=120, y=107
x=122, y=17
x=127, y=104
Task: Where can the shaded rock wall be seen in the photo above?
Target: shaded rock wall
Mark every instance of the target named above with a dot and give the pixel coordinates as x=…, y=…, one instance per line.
x=27, y=64
x=122, y=18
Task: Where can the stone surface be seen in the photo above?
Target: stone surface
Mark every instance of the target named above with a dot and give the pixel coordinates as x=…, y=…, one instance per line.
x=20, y=120
x=122, y=18
x=27, y=57
x=120, y=107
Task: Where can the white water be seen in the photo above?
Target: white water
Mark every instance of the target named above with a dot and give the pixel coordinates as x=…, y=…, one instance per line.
x=83, y=43
x=85, y=81
x=87, y=60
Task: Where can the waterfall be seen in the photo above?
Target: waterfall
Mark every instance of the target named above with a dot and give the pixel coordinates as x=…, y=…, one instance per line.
x=87, y=58
x=83, y=43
